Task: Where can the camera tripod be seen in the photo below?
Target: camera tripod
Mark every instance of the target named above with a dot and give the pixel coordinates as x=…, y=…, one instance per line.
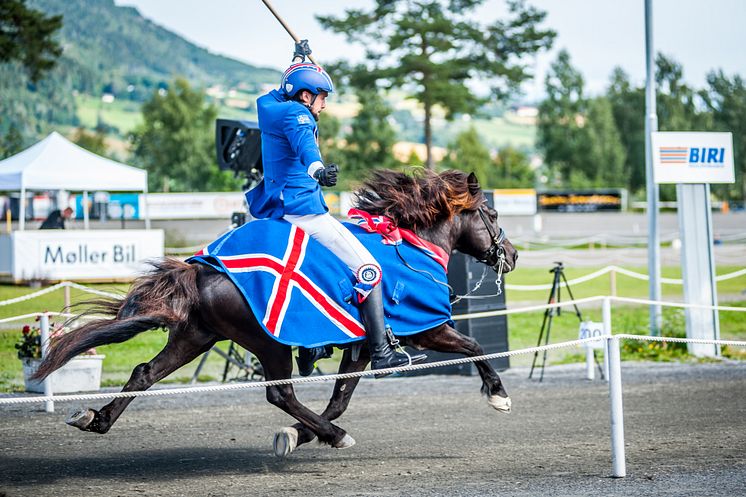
x=249, y=367
x=546, y=325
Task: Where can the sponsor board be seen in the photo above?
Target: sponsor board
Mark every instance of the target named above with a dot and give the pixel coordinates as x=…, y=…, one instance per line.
x=192, y=205
x=692, y=157
x=80, y=255
x=515, y=202
x=582, y=200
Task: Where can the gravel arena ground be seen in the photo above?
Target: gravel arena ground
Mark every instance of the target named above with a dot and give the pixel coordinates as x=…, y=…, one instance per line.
x=685, y=427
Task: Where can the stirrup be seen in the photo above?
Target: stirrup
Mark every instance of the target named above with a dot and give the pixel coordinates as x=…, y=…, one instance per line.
x=410, y=359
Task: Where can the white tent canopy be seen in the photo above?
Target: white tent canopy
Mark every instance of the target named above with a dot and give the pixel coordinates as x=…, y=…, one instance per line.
x=55, y=163
x=58, y=164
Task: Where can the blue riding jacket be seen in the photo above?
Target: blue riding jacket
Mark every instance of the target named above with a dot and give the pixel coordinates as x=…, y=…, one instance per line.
x=289, y=146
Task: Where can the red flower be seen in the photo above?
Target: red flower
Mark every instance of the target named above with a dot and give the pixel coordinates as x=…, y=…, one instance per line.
x=26, y=330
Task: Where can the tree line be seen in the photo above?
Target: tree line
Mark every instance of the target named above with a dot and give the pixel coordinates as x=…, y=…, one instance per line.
x=438, y=55
x=599, y=140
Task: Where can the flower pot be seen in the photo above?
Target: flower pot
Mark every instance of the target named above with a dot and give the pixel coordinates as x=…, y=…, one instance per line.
x=81, y=374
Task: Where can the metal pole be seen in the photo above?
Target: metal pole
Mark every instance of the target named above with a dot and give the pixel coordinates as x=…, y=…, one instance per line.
x=44, y=334
x=651, y=125
x=22, y=209
x=284, y=25
x=713, y=284
x=619, y=469
x=85, y=210
x=606, y=318
x=146, y=210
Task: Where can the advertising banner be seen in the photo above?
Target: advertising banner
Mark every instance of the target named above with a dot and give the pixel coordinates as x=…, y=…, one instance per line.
x=515, y=202
x=98, y=255
x=692, y=157
x=192, y=205
x=583, y=200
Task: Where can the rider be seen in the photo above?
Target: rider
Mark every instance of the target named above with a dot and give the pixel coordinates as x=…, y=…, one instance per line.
x=291, y=189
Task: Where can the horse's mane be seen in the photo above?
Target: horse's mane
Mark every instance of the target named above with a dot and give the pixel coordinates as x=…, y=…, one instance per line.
x=420, y=199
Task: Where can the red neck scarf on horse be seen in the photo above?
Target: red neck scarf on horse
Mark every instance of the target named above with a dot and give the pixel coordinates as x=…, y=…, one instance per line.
x=392, y=235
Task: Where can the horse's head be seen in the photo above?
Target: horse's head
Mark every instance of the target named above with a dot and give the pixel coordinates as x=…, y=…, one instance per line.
x=480, y=235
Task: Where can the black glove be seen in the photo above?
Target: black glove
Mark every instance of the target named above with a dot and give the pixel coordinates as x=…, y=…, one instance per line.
x=327, y=176
x=302, y=50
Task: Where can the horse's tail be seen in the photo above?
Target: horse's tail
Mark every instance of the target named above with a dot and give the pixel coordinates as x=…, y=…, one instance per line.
x=163, y=298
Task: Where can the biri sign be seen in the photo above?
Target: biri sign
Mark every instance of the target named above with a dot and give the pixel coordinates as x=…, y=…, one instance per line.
x=692, y=157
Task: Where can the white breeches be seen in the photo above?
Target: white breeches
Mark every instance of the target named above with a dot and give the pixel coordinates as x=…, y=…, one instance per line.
x=331, y=234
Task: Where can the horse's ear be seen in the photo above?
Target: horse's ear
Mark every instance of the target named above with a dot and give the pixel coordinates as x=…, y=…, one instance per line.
x=473, y=184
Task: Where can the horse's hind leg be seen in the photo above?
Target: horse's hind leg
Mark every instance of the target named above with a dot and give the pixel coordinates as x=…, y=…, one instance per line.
x=183, y=346
x=341, y=396
x=446, y=339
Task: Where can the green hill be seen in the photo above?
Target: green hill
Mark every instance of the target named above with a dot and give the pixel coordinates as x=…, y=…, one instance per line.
x=111, y=49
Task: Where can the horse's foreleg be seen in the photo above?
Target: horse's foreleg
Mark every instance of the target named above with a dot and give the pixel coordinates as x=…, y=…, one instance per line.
x=183, y=346
x=446, y=339
x=342, y=394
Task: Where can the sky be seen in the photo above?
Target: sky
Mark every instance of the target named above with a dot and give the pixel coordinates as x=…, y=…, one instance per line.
x=599, y=34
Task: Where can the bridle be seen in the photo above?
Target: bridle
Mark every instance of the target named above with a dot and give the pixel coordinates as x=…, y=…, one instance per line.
x=494, y=256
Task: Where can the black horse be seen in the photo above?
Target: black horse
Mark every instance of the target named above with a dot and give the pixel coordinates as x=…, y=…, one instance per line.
x=200, y=306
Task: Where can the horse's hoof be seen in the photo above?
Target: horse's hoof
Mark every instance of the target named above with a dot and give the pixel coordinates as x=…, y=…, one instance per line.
x=81, y=419
x=285, y=442
x=346, y=442
x=501, y=404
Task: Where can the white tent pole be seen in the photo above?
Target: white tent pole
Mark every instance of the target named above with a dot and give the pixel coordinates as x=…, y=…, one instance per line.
x=85, y=209
x=22, y=208
x=146, y=211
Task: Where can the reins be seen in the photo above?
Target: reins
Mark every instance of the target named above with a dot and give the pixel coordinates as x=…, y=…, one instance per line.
x=496, y=251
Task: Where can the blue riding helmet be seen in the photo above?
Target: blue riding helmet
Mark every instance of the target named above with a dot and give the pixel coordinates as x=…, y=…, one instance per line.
x=305, y=77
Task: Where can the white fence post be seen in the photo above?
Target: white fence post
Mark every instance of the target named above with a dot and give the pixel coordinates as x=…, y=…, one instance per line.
x=590, y=366
x=44, y=336
x=619, y=466
x=606, y=318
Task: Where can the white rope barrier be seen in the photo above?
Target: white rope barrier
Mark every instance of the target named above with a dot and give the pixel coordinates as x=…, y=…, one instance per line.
x=183, y=250
x=678, y=304
x=544, y=242
x=356, y=374
x=530, y=308
x=58, y=286
x=620, y=270
x=520, y=288
x=93, y=290
x=33, y=295
x=37, y=315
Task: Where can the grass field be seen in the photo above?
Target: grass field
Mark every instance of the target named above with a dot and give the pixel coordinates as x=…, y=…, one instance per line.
x=122, y=114
x=523, y=328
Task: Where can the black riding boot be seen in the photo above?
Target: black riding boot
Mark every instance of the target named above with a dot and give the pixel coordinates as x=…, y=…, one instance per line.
x=307, y=358
x=382, y=353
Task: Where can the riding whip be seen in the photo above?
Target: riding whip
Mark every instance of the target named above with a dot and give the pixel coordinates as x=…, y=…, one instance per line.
x=287, y=28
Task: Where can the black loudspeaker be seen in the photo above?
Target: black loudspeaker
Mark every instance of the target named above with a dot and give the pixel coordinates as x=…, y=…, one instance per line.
x=464, y=272
x=238, y=146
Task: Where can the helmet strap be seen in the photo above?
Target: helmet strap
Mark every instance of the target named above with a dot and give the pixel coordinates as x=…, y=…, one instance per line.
x=309, y=105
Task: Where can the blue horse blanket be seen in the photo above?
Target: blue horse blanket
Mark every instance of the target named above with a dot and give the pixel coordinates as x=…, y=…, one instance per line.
x=303, y=294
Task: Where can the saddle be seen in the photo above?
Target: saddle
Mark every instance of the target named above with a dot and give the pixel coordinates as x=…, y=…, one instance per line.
x=302, y=294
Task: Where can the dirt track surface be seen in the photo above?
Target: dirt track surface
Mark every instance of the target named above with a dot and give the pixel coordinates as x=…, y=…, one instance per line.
x=685, y=429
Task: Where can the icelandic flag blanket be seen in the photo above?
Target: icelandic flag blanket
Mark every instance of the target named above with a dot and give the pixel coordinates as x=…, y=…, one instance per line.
x=303, y=294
